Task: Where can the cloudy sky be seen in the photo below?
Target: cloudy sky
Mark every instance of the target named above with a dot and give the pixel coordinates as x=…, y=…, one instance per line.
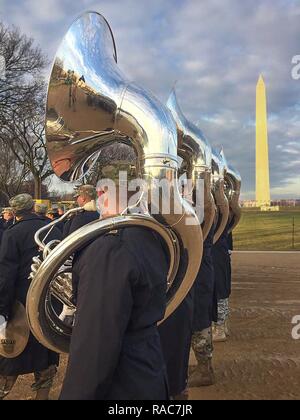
x=216, y=50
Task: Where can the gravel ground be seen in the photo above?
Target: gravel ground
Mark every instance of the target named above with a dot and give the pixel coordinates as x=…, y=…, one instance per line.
x=260, y=360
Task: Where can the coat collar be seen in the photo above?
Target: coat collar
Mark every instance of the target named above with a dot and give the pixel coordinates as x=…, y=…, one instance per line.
x=28, y=217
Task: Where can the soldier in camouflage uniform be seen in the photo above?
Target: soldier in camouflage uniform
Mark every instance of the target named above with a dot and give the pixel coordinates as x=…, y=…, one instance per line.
x=204, y=315
x=222, y=265
x=86, y=198
x=41, y=210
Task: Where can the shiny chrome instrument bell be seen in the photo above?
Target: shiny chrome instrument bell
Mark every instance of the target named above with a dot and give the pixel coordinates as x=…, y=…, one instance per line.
x=91, y=105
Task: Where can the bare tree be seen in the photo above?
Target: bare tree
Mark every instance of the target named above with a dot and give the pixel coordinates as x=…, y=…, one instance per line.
x=22, y=98
x=23, y=67
x=12, y=173
x=25, y=136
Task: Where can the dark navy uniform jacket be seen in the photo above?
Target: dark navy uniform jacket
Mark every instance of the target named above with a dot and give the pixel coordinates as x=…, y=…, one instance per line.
x=176, y=336
x=204, y=288
x=2, y=228
x=59, y=225
x=78, y=221
x=8, y=224
x=230, y=241
x=17, y=250
x=196, y=313
x=222, y=265
x=115, y=351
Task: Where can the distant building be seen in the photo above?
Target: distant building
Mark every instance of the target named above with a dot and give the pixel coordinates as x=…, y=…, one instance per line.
x=286, y=203
x=248, y=203
x=274, y=203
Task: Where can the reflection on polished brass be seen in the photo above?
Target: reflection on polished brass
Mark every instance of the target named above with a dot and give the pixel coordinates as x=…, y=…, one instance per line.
x=90, y=106
x=218, y=181
x=48, y=330
x=233, y=183
x=196, y=153
x=16, y=333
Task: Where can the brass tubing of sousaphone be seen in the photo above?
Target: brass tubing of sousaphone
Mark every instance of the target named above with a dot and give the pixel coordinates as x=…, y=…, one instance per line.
x=218, y=174
x=196, y=153
x=53, y=338
x=90, y=106
x=209, y=204
x=233, y=182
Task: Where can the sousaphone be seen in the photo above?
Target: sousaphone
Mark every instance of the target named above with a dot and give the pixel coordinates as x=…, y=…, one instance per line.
x=91, y=105
x=221, y=200
x=196, y=153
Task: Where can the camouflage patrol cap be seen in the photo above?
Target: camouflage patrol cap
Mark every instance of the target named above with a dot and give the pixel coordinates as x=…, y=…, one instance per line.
x=7, y=210
x=88, y=190
x=52, y=211
x=40, y=208
x=22, y=202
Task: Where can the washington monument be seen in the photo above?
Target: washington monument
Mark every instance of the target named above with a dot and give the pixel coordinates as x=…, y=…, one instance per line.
x=263, y=195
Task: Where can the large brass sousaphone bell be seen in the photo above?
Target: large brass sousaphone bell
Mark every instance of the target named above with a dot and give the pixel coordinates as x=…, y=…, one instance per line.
x=90, y=106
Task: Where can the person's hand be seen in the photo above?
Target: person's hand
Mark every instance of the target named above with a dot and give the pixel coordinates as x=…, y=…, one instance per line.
x=67, y=316
x=3, y=324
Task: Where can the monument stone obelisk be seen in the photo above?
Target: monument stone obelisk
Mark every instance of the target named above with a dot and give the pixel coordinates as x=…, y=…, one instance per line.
x=263, y=195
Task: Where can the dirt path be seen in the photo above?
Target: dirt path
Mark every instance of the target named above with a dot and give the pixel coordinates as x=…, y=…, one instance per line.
x=261, y=360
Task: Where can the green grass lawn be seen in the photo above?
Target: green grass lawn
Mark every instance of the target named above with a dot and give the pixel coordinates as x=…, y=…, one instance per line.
x=263, y=231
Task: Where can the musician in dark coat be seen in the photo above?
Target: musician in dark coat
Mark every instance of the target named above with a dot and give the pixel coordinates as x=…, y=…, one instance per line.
x=205, y=314
x=7, y=220
x=176, y=336
x=86, y=196
x=190, y=324
x=40, y=210
x=222, y=266
x=8, y=217
x=2, y=228
x=53, y=215
x=17, y=250
x=121, y=296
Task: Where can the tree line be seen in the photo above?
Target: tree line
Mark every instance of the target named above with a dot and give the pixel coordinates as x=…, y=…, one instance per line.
x=24, y=166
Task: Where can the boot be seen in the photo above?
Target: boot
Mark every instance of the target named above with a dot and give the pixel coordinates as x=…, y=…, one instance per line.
x=219, y=335
x=203, y=375
x=184, y=396
x=6, y=385
x=42, y=394
x=43, y=383
x=227, y=330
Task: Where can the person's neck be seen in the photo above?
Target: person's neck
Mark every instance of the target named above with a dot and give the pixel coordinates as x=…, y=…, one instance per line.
x=19, y=218
x=90, y=206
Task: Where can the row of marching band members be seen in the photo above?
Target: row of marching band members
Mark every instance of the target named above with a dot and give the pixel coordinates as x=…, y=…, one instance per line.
x=202, y=316
x=8, y=217
x=129, y=272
